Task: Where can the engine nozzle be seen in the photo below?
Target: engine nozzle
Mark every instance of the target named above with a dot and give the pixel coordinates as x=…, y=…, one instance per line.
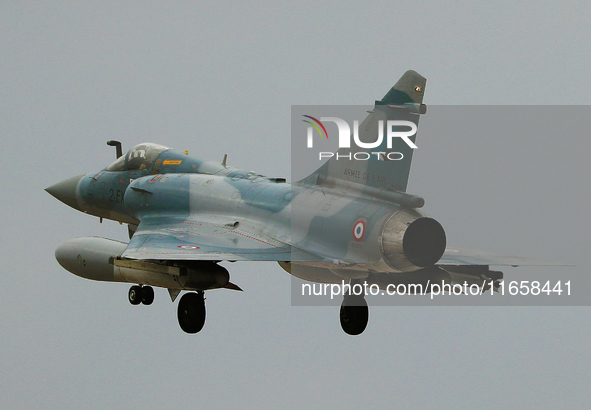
x=410, y=240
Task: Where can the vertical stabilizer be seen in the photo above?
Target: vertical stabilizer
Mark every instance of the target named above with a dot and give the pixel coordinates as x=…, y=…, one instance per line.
x=379, y=167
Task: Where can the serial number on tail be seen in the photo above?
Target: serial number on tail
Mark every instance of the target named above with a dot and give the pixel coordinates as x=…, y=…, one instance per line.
x=364, y=176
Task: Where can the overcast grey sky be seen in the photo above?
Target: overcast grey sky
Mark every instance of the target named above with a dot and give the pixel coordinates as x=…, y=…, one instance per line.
x=221, y=78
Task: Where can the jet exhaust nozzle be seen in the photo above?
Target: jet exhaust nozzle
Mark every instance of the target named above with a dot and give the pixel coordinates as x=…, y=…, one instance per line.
x=410, y=240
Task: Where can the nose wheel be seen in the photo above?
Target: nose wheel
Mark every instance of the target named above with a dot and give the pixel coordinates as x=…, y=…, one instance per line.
x=191, y=312
x=141, y=294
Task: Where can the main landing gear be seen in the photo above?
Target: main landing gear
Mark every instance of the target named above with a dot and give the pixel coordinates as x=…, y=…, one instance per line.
x=354, y=313
x=191, y=312
x=141, y=294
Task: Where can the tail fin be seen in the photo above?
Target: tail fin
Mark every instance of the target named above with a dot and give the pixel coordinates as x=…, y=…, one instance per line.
x=380, y=168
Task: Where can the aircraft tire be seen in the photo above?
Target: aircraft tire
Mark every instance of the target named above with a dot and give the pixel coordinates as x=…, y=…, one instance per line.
x=191, y=312
x=147, y=295
x=135, y=295
x=354, y=315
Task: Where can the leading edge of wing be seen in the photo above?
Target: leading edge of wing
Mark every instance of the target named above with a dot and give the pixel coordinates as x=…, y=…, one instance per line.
x=462, y=257
x=207, y=238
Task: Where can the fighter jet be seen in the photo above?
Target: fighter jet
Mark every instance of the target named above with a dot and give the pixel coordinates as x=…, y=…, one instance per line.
x=349, y=222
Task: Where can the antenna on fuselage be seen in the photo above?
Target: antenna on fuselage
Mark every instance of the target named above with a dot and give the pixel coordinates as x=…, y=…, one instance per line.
x=224, y=160
x=117, y=146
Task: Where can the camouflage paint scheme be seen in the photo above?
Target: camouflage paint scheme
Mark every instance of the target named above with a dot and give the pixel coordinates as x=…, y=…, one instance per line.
x=347, y=220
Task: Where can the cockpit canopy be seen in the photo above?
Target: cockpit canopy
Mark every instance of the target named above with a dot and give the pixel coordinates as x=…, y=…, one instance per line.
x=140, y=157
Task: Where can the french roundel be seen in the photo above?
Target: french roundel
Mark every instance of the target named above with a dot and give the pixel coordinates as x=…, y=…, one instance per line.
x=359, y=230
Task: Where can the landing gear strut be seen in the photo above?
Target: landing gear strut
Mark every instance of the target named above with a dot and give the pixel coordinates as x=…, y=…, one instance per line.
x=191, y=312
x=141, y=294
x=354, y=314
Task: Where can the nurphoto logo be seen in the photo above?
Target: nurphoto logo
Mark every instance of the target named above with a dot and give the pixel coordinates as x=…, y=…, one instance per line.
x=392, y=131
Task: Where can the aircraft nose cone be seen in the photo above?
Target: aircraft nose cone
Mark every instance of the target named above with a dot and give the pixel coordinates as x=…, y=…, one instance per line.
x=65, y=191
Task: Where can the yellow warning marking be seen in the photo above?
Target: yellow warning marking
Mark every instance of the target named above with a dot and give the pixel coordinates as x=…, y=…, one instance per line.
x=172, y=162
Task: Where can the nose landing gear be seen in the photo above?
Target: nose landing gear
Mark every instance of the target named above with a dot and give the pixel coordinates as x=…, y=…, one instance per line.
x=141, y=294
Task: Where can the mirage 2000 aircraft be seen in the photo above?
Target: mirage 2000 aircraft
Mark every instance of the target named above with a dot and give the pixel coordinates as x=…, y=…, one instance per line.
x=185, y=215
